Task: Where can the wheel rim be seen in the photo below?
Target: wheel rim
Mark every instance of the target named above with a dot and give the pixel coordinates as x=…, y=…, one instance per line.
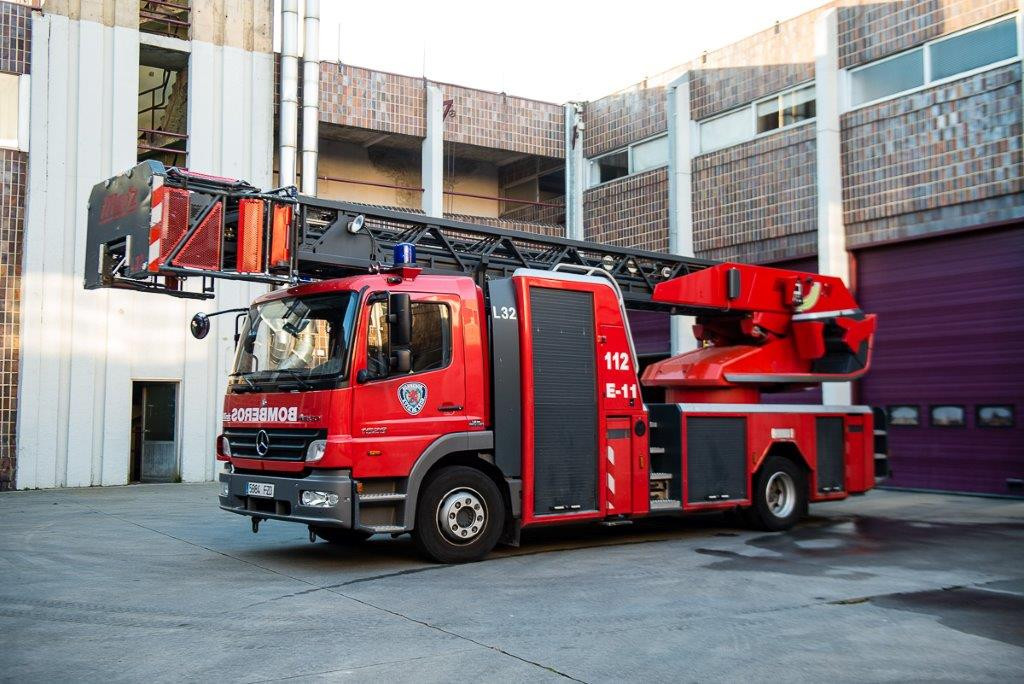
x=461, y=515
x=780, y=494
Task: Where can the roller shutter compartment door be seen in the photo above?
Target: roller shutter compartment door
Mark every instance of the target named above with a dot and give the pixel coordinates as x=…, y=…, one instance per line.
x=950, y=333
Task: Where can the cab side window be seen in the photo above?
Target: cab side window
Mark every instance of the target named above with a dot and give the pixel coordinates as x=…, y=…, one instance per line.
x=431, y=336
x=431, y=343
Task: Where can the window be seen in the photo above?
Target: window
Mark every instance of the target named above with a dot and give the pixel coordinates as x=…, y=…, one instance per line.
x=725, y=130
x=940, y=59
x=431, y=343
x=904, y=415
x=638, y=157
x=650, y=154
x=948, y=415
x=974, y=49
x=9, y=100
x=770, y=114
x=609, y=167
x=885, y=78
x=994, y=415
x=785, y=109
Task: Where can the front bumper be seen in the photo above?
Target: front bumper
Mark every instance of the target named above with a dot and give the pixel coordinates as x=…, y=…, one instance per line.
x=286, y=504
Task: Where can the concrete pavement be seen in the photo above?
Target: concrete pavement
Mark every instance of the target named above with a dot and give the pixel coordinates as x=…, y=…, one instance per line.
x=153, y=582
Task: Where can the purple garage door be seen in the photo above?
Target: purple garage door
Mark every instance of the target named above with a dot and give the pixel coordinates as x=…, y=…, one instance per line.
x=949, y=358
x=650, y=332
x=805, y=396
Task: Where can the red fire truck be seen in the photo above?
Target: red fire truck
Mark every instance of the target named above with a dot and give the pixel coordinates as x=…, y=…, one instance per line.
x=459, y=382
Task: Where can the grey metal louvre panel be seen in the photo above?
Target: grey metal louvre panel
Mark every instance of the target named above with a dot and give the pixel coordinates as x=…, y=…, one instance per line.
x=831, y=471
x=716, y=466
x=565, y=400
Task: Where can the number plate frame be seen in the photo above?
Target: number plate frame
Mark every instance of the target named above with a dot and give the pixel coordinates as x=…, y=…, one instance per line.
x=264, y=490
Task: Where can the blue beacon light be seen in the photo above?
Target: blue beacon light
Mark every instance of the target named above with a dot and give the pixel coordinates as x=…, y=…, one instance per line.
x=405, y=254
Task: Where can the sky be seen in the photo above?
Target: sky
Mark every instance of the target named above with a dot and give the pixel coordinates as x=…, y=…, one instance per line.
x=551, y=50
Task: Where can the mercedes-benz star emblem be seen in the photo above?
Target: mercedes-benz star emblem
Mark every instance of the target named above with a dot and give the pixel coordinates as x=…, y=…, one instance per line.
x=262, y=442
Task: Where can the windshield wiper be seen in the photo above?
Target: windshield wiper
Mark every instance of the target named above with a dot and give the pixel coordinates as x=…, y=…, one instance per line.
x=294, y=372
x=253, y=387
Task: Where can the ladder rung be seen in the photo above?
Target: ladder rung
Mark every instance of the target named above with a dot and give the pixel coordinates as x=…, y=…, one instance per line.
x=657, y=450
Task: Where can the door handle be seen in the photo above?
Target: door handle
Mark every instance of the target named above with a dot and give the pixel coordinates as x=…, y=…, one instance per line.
x=449, y=408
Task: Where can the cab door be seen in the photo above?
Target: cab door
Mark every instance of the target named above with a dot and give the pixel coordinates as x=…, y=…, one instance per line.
x=397, y=415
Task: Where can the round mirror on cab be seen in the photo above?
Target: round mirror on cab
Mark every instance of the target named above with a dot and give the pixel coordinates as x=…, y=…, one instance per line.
x=200, y=326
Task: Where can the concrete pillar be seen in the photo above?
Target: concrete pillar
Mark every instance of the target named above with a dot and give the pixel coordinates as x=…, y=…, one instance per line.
x=832, y=257
x=575, y=171
x=433, y=154
x=682, y=147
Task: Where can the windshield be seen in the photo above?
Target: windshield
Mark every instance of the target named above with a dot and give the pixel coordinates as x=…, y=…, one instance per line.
x=299, y=340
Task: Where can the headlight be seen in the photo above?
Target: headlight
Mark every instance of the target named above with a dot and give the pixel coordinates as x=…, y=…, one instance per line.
x=224, y=489
x=317, y=499
x=316, y=450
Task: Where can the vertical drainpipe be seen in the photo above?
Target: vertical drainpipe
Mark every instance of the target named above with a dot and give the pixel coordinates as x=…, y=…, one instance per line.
x=289, y=105
x=310, y=96
x=574, y=171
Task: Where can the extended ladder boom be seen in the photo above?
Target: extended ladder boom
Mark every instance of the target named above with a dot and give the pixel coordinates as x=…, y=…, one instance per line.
x=154, y=226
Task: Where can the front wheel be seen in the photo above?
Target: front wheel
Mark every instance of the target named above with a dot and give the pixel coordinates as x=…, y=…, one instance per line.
x=459, y=516
x=780, y=495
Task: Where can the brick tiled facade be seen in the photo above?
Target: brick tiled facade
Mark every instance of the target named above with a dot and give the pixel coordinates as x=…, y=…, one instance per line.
x=375, y=100
x=15, y=47
x=630, y=211
x=871, y=30
x=391, y=103
x=905, y=160
x=625, y=117
x=15, y=37
x=757, y=201
x=503, y=122
x=13, y=187
x=764, y=63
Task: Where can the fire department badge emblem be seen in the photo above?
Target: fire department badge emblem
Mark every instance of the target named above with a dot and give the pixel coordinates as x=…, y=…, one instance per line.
x=412, y=396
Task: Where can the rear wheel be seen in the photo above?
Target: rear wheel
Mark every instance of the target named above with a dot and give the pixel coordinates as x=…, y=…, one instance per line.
x=780, y=495
x=340, y=535
x=459, y=516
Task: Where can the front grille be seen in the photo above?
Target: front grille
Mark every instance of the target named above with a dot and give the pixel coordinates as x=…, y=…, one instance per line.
x=285, y=444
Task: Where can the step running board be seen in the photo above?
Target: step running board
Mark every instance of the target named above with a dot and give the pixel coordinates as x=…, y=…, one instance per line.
x=656, y=450
x=660, y=476
x=666, y=505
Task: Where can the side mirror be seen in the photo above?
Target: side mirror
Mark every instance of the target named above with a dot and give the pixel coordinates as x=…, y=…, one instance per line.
x=401, y=360
x=362, y=376
x=400, y=319
x=200, y=326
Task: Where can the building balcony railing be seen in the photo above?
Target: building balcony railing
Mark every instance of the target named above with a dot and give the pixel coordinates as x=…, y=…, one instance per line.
x=170, y=148
x=166, y=17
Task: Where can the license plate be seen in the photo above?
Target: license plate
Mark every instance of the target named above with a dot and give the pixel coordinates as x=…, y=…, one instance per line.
x=260, y=489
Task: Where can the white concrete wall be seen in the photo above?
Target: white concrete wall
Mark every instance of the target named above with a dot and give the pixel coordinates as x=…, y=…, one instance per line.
x=81, y=350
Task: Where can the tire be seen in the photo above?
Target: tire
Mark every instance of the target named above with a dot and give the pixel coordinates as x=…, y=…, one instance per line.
x=780, y=495
x=340, y=535
x=469, y=501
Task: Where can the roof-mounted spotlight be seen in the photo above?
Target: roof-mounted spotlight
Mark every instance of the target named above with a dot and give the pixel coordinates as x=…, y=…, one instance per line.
x=356, y=224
